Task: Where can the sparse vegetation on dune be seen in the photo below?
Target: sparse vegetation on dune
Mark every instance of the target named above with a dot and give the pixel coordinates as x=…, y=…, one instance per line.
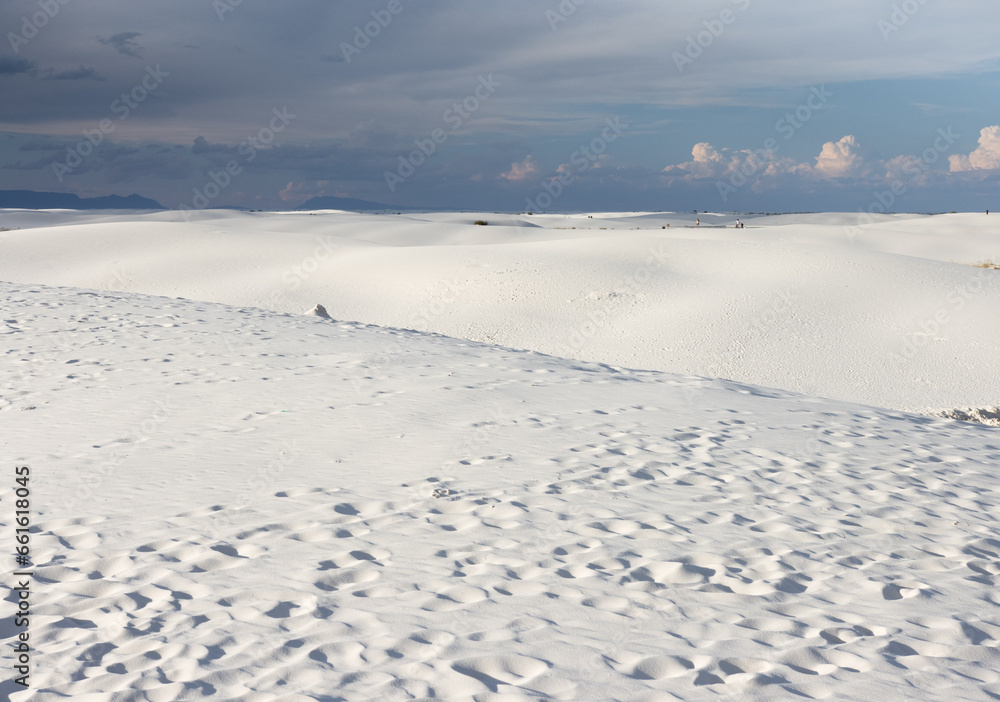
x=981, y=415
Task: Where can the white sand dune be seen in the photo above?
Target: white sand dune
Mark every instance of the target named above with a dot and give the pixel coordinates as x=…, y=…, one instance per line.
x=238, y=504
x=887, y=314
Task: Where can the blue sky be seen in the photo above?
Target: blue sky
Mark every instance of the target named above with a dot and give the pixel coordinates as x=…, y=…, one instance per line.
x=723, y=105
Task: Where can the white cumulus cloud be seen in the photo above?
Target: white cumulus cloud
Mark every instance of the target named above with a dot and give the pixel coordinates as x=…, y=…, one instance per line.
x=840, y=159
x=521, y=171
x=709, y=162
x=837, y=159
x=986, y=157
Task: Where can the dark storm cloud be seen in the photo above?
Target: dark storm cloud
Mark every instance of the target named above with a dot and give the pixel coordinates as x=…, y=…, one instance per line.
x=102, y=157
x=371, y=79
x=14, y=65
x=202, y=146
x=124, y=43
x=563, y=65
x=29, y=165
x=133, y=166
x=39, y=146
x=81, y=73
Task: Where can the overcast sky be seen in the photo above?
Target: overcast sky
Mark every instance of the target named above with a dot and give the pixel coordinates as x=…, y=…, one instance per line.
x=722, y=105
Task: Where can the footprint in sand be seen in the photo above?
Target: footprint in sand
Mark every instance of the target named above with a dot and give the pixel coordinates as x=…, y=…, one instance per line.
x=661, y=668
x=455, y=597
x=843, y=635
x=817, y=661
x=299, y=492
x=518, y=588
x=904, y=589
x=347, y=577
x=773, y=624
x=672, y=573
x=620, y=527
x=422, y=646
x=494, y=671
x=77, y=537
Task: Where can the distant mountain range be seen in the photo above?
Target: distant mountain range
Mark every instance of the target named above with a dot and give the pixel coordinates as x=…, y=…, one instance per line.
x=31, y=200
